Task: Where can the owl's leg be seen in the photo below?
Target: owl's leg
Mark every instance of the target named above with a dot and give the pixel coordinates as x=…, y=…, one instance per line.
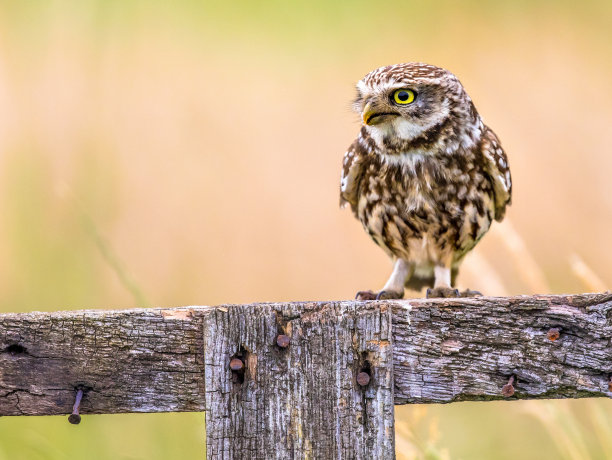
x=394, y=288
x=442, y=284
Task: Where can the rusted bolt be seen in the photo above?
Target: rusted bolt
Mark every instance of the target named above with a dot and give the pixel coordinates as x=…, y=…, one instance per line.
x=283, y=341
x=508, y=389
x=553, y=334
x=363, y=378
x=236, y=364
x=75, y=418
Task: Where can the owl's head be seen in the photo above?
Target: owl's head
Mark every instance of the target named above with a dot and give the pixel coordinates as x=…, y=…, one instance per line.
x=414, y=103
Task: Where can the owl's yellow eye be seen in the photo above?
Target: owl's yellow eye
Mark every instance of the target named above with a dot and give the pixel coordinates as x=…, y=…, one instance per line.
x=403, y=96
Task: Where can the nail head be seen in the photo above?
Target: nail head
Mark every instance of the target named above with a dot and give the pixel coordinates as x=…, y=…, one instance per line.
x=553, y=334
x=236, y=364
x=508, y=390
x=283, y=341
x=75, y=419
x=363, y=378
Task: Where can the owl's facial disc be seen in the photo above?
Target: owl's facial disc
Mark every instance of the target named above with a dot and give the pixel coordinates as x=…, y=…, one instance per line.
x=388, y=106
x=399, y=111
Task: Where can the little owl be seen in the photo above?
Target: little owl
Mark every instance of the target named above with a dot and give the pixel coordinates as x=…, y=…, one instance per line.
x=426, y=177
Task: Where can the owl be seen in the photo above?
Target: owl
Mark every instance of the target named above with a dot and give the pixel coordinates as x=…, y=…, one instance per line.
x=425, y=176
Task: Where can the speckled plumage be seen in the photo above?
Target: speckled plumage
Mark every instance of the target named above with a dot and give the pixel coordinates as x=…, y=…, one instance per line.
x=425, y=179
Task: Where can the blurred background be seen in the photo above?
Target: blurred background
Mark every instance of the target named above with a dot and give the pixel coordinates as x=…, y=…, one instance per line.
x=181, y=153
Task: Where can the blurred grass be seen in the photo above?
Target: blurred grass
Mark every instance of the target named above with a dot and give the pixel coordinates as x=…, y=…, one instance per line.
x=566, y=429
x=156, y=153
x=120, y=436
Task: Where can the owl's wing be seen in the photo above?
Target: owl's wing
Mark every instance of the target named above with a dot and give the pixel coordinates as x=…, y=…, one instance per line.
x=498, y=170
x=352, y=171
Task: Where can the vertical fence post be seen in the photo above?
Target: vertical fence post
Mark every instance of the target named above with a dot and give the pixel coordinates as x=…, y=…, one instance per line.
x=306, y=381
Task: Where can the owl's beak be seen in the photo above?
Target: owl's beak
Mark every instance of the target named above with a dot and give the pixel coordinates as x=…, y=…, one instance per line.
x=371, y=116
x=367, y=113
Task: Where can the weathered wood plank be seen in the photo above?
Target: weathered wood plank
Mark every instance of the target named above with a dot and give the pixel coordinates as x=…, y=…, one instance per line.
x=444, y=350
x=125, y=361
x=467, y=349
x=302, y=401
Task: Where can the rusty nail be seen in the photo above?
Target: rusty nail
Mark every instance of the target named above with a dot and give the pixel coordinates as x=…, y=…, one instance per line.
x=508, y=389
x=610, y=384
x=75, y=418
x=553, y=334
x=363, y=378
x=283, y=341
x=236, y=364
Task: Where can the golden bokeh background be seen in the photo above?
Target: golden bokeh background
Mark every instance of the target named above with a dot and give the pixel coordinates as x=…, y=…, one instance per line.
x=174, y=153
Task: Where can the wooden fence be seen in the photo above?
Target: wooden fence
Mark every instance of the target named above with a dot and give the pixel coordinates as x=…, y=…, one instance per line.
x=305, y=380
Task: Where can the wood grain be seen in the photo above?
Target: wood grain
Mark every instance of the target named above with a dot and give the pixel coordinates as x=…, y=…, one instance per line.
x=152, y=360
x=302, y=401
x=125, y=361
x=467, y=349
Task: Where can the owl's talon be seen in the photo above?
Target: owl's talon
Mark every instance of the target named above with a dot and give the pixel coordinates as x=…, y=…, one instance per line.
x=442, y=293
x=382, y=295
x=365, y=295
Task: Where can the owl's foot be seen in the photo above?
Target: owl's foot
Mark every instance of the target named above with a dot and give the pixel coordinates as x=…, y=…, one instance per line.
x=446, y=292
x=470, y=293
x=382, y=295
x=365, y=295
x=442, y=292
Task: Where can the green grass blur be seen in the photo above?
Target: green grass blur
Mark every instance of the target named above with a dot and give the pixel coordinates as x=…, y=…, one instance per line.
x=174, y=153
x=120, y=436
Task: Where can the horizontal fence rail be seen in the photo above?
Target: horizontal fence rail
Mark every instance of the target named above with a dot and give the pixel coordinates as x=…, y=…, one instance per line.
x=152, y=360
x=305, y=379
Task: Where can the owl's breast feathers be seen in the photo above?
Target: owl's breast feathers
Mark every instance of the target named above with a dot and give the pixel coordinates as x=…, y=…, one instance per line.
x=445, y=200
